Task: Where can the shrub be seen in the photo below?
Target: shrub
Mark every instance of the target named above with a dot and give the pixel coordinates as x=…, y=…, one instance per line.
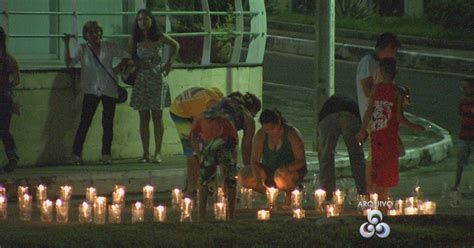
x=357, y=9
x=451, y=13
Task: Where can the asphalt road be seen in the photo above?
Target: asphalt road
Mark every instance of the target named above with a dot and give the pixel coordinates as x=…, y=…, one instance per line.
x=434, y=95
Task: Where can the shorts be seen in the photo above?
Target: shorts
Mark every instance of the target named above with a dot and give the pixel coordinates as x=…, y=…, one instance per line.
x=184, y=126
x=212, y=157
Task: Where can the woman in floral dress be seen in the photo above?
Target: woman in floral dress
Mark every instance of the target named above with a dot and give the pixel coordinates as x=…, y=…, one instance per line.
x=150, y=93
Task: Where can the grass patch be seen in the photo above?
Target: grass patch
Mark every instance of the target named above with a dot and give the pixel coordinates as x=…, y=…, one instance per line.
x=401, y=25
x=442, y=230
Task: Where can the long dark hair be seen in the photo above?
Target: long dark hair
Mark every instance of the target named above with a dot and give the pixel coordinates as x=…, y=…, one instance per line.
x=3, y=51
x=3, y=41
x=248, y=100
x=155, y=32
x=271, y=116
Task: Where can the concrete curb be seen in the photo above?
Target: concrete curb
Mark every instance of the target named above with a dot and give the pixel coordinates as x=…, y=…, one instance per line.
x=420, y=156
x=350, y=52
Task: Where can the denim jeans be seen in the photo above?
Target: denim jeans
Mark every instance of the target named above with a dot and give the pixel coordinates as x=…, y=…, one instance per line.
x=89, y=106
x=6, y=111
x=330, y=128
x=464, y=150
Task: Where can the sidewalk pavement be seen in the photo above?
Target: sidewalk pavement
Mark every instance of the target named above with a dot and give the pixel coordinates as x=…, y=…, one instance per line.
x=416, y=52
x=421, y=149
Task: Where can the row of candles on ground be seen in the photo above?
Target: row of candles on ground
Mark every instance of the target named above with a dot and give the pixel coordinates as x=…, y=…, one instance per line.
x=94, y=209
x=411, y=206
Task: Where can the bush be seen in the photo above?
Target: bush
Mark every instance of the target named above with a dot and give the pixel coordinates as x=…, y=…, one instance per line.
x=451, y=13
x=357, y=9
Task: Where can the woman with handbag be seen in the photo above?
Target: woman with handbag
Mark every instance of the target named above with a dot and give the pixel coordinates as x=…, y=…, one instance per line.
x=150, y=93
x=98, y=84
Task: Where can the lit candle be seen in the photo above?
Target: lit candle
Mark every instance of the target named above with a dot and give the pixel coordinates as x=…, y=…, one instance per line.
x=21, y=191
x=411, y=202
x=91, y=194
x=428, y=207
x=118, y=196
x=410, y=211
x=62, y=211
x=246, y=197
x=46, y=211
x=220, y=210
x=332, y=210
x=176, y=198
x=85, y=213
x=417, y=192
x=220, y=194
x=296, y=199
x=298, y=213
x=41, y=193
x=362, y=203
x=392, y=212
x=115, y=214
x=374, y=198
x=319, y=197
x=186, y=210
x=3, y=207
x=399, y=206
x=148, y=192
x=137, y=212
x=100, y=209
x=66, y=192
x=338, y=200
x=272, y=197
x=3, y=191
x=25, y=207
x=263, y=215
x=160, y=213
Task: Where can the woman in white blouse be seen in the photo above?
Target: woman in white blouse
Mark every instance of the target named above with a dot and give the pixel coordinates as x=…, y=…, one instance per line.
x=97, y=85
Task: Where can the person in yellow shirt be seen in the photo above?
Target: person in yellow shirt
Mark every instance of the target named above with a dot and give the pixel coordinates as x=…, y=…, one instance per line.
x=187, y=106
x=240, y=109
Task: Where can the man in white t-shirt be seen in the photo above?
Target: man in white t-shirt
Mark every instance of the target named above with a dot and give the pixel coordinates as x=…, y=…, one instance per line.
x=368, y=73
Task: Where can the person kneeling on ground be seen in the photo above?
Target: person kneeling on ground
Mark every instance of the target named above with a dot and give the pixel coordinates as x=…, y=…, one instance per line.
x=214, y=140
x=278, y=157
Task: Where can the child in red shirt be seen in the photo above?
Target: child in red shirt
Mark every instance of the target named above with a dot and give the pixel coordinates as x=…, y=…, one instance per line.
x=383, y=117
x=466, y=133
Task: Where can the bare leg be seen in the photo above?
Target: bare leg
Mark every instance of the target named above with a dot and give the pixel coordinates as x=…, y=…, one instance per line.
x=286, y=181
x=383, y=193
x=145, y=132
x=368, y=177
x=157, y=116
x=203, y=194
x=192, y=174
x=230, y=192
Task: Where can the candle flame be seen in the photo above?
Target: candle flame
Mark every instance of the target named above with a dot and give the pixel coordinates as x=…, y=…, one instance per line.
x=148, y=188
x=47, y=203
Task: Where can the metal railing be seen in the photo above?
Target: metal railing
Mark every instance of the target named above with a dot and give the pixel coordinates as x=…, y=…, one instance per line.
x=257, y=33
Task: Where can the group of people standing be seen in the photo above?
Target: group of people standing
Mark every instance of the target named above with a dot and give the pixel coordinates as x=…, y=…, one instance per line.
x=150, y=94
x=207, y=121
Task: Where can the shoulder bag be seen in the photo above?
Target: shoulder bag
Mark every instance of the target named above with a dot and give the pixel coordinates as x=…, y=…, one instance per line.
x=122, y=92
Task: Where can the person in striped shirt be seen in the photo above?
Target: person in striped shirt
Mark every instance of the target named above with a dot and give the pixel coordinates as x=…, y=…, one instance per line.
x=466, y=132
